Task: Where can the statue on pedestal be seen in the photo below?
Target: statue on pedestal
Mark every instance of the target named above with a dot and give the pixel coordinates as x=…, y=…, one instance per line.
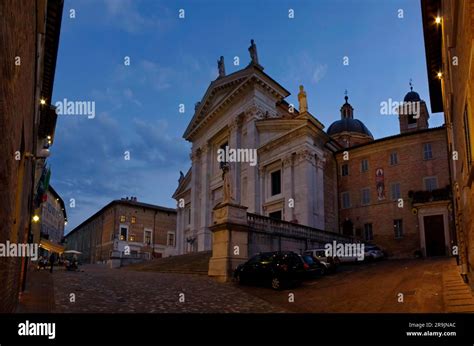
x=253, y=52
x=303, y=101
x=227, y=186
x=221, y=66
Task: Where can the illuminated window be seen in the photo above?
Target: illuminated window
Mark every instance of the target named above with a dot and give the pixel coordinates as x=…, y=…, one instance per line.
x=123, y=218
x=134, y=219
x=132, y=237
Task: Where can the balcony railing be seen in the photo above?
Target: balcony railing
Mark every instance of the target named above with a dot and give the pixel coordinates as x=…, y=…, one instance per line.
x=443, y=194
x=264, y=224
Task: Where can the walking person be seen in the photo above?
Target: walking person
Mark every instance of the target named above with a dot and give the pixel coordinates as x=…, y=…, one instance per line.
x=52, y=259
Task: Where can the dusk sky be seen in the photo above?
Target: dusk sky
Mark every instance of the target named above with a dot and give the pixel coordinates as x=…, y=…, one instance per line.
x=173, y=60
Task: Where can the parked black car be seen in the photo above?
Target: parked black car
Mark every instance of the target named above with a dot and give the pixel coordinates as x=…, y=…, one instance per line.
x=277, y=269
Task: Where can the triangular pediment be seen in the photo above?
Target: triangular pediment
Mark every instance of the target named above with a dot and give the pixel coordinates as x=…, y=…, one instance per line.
x=223, y=90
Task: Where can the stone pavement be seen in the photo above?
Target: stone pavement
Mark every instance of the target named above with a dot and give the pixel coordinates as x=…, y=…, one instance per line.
x=376, y=288
x=457, y=294
x=38, y=295
x=99, y=289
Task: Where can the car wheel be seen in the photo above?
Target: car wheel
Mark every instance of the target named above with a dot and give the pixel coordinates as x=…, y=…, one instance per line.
x=323, y=271
x=239, y=280
x=276, y=283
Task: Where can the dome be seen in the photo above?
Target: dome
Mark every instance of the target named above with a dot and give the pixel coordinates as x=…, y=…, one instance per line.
x=349, y=125
x=412, y=96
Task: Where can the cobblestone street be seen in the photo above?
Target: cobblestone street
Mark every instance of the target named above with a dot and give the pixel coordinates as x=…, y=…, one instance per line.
x=103, y=290
x=427, y=285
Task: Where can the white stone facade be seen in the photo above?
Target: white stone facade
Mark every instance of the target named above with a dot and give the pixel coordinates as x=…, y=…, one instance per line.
x=247, y=110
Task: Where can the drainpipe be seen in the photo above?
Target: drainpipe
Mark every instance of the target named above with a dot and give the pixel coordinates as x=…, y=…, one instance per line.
x=153, y=241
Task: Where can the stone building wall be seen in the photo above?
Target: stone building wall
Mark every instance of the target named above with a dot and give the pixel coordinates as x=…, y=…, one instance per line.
x=17, y=38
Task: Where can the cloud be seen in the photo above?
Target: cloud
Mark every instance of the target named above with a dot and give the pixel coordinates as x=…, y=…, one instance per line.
x=157, y=76
x=303, y=68
x=91, y=168
x=126, y=14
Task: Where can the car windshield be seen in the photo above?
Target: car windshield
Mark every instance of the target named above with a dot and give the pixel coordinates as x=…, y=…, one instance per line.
x=321, y=253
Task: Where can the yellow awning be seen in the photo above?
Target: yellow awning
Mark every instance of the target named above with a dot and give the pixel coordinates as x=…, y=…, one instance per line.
x=51, y=247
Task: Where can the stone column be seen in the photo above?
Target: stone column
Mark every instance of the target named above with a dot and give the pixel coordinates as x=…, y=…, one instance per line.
x=304, y=187
x=252, y=172
x=195, y=169
x=261, y=183
x=235, y=142
x=319, y=196
x=229, y=240
x=204, y=235
x=288, y=187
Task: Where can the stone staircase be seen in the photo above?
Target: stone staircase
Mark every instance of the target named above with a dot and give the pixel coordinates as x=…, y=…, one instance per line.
x=192, y=263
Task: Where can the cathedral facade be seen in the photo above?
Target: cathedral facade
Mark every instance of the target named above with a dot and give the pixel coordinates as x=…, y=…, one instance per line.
x=299, y=174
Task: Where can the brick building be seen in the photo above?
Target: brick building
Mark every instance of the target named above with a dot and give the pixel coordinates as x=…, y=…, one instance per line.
x=29, y=45
x=148, y=230
x=394, y=191
x=449, y=33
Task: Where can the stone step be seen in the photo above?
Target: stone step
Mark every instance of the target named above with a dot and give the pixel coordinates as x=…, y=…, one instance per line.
x=194, y=263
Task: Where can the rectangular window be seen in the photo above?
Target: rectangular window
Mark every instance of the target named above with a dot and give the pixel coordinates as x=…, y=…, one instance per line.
x=276, y=182
x=346, y=200
x=431, y=183
x=368, y=234
x=345, y=169
x=393, y=159
x=276, y=215
x=398, y=228
x=123, y=218
x=170, y=240
x=427, y=152
x=123, y=233
x=395, y=191
x=364, y=165
x=134, y=219
x=147, y=238
x=365, y=196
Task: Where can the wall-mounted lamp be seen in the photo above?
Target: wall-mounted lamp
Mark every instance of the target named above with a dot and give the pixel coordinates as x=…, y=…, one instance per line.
x=438, y=20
